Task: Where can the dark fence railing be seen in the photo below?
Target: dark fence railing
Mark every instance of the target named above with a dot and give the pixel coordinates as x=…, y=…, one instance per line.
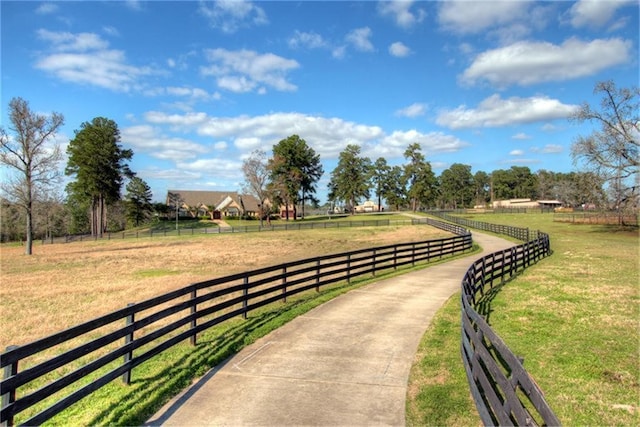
x=252, y=226
x=86, y=357
x=504, y=393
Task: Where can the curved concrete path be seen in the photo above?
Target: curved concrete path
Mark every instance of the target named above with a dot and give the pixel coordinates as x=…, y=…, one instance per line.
x=346, y=362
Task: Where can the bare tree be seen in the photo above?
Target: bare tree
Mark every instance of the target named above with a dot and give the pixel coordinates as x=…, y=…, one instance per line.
x=256, y=175
x=32, y=157
x=612, y=152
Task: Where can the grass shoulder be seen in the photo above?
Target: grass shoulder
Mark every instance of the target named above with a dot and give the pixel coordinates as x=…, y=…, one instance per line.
x=573, y=317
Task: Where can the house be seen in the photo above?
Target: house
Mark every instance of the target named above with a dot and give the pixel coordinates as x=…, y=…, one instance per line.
x=214, y=204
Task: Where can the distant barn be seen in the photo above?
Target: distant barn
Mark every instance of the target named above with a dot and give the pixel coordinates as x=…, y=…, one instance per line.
x=526, y=204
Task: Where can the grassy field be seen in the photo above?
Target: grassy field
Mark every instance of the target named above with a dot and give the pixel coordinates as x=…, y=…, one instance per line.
x=66, y=284
x=575, y=319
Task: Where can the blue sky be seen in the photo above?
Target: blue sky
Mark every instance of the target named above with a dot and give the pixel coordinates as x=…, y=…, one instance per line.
x=196, y=86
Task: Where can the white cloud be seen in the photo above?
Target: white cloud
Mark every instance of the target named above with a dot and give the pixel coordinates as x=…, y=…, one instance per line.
x=497, y=112
x=401, y=13
x=133, y=4
x=308, y=40
x=413, y=110
x=339, y=52
x=516, y=153
x=359, y=39
x=46, y=8
x=214, y=167
x=111, y=31
x=68, y=42
x=191, y=94
x=527, y=63
x=595, y=13
x=172, y=175
x=247, y=70
x=399, y=50
x=548, y=149
x=231, y=15
x=148, y=139
x=521, y=136
x=177, y=121
x=520, y=161
x=105, y=69
x=327, y=136
x=395, y=144
x=552, y=148
x=188, y=92
x=84, y=58
x=470, y=17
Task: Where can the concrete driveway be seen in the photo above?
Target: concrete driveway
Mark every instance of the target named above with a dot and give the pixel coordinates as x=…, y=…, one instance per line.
x=345, y=363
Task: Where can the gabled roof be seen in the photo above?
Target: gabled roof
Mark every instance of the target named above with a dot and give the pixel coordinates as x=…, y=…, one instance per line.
x=214, y=199
x=226, y=202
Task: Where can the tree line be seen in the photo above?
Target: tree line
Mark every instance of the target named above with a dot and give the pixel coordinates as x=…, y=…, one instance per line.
x=98, y=168
x=97, y=165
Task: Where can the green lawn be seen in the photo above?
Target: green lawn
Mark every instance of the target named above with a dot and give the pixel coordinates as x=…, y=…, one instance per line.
x=574, y=317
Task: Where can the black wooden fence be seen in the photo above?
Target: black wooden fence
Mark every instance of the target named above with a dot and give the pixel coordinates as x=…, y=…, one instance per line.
x=91, y=355
x=251, y=226
x=504, y=393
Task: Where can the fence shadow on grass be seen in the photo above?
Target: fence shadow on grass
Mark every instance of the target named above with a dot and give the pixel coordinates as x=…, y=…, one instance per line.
x=210, y=352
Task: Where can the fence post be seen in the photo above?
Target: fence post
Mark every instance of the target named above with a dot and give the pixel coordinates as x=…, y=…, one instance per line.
x=395, y=257
x=245, y=294
x=374, y=263
x=349, y=269
x=126, y=377
x=318, y=276
x=192, y=339
x=413, y=254
x=284, y=284
x=9, y=397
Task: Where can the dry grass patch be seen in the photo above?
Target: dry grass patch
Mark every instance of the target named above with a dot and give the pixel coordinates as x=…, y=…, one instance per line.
x=62, y=285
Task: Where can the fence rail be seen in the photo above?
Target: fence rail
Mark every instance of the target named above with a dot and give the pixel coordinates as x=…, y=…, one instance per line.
x=254, y=228
x=503, y=391
x=599, y=218
x=121, y=340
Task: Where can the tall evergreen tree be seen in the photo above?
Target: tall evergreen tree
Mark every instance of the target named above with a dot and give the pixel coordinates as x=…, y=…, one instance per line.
x=395, y=188
x=515, y=183
x=456, y=186
x=482, y=188
x=98, y=162
x=350, y=178
x=379, y=178
x=138, y=201
x=78, y=207
x=421, y=181
x=295, y=169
